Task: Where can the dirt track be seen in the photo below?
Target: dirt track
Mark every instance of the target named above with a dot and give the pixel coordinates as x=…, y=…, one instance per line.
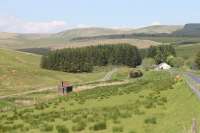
x=87, y=87
x=103, y=82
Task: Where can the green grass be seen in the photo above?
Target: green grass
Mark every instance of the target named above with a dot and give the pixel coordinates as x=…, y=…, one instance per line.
x=21, y=72
x=151, y=104
x=122, y=73
x=170, y=39
x=187, y=51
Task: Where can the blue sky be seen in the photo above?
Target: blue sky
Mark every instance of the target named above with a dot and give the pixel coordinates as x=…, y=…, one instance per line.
x=101, y=13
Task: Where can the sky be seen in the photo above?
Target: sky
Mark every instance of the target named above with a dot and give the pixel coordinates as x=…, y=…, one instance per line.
x=49, y=16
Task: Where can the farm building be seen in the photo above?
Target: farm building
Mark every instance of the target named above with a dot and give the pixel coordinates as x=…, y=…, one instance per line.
x=64, y=88
x=163, y=66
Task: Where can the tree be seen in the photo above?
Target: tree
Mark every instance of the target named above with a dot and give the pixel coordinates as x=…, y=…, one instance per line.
x=175, y=61
x=152, y=51
x=161, y=52
x=83, y=59
x=197, y=60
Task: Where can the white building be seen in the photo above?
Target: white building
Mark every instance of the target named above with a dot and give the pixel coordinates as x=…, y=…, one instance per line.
x=163, y=66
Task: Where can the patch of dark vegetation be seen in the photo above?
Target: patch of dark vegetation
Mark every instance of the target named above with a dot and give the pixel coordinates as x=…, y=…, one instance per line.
x=159, y=53
x=40, y=51
x=62, y=129
x=135, y=73
x=83, y=59
x=79, y=126
x=99, y=126
x=118, y=129
x=185, y=43
x=151, y=120
x=46, y=127
x=197, y=60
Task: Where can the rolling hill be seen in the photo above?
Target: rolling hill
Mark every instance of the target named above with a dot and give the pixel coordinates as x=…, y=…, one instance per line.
x=88, y=32
x=156, y=29
x=21, y=72
x=192, y=29
x=23, y=41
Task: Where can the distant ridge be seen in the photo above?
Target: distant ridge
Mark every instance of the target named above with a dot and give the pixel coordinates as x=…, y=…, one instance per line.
x=85, y=32
x=192, y=29
x=95, y=34
x=156, y=29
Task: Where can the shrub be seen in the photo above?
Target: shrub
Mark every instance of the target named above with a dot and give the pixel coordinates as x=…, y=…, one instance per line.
x=116, y=121
x=62, y=129
x=79, y=126
x=161, y=52
x=76, y=119
x=90, y=118
x=135, y=73
x=197, y=60
x=18, y=126
x=117, y=129
x=47, y=127
x=151, y=120
x=175, y=61
x=25, y=129
x=99, y=126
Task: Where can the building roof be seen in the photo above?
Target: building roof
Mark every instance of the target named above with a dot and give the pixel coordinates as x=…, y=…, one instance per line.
x=163, y=66
x=65, y=84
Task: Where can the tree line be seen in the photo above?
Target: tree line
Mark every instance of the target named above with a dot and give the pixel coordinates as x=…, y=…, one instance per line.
x=197, y=60
x=85, y=58
x=159, y=53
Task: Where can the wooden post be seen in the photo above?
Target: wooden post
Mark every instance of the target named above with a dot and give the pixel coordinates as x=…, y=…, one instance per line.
x=194, y=128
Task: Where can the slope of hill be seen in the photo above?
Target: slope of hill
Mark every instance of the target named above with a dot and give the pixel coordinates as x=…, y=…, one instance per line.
x=188, y=50
x=88, y=32
x=23, y=41
x=135, y=42
x=189, y=30
x=21, y=72
x=158, y=29
x=167, y=107
x=5, y=35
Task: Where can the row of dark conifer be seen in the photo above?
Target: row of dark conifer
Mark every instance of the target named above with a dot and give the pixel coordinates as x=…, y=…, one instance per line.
x=83, y=59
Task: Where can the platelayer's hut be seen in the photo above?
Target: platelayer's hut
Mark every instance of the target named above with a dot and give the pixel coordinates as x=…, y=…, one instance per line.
x=64, y=88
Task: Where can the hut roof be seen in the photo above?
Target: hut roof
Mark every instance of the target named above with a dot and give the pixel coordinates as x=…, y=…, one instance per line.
x=65, y=84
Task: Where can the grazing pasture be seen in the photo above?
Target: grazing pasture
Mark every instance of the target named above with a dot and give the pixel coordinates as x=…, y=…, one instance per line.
x=187, y=51
x=21, y=72
x=154, y=103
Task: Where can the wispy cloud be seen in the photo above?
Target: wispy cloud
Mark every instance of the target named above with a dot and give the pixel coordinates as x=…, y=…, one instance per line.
x=14, y=24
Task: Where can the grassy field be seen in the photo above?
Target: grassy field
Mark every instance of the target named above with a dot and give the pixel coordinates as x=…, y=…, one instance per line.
x=141, y=106
x=135, y=42
x=187, y=51
x=53, y=42
x=170, y=39
x=21, y=72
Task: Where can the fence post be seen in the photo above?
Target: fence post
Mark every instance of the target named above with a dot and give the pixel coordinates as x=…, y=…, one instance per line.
x=194, y=128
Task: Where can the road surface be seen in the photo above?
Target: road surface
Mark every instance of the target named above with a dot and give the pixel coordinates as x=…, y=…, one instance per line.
x=193, y=81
